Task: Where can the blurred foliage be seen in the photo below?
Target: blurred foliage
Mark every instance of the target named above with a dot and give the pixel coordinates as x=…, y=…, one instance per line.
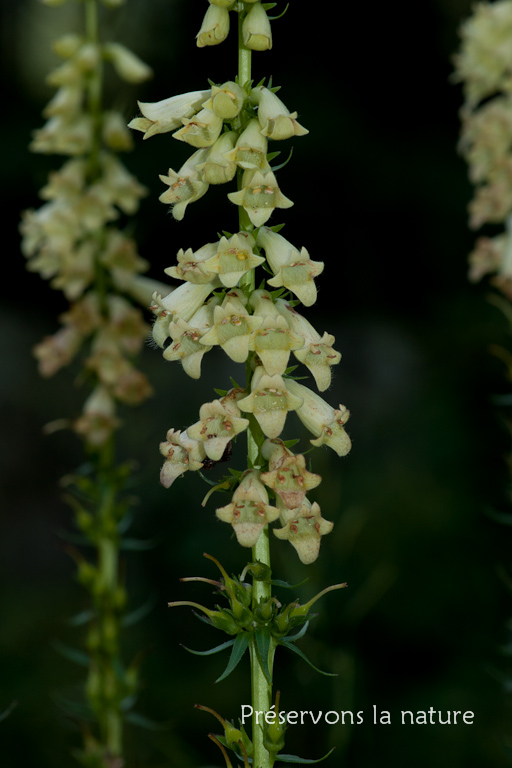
x=421, y=623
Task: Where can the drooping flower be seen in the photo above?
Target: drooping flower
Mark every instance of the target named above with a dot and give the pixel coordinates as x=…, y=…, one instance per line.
x=215, y=26
x=292, y=270
x=191, y=265
x=251, y=148
x=233, y=258
x=304, y=530
x=202, y=130
x=232, y=330
x=166, y=115
x=186, y=186
x=327, y=423
x=256, y=31
x=226, y=100
x=273, y=342
x=259, y=196
x=249, y=511
x=216, y=428
x=218, y=169
x=317, y=353
x=275, y=119
x=287, y=475
x=181, y=455
x=269, y=401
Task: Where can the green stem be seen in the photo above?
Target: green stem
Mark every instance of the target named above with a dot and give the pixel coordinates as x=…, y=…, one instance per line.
x=261, y=689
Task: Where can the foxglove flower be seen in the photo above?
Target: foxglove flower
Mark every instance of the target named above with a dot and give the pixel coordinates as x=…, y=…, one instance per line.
x=216, y=428
x=304, y=530
x=259, y=196
x=275, y=119
x=321, y=419
x=186, y=186
x=166, y=115
x=249, y=512
x=269, y=401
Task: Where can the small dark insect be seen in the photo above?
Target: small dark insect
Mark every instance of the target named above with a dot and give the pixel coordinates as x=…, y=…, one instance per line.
x=210, y=463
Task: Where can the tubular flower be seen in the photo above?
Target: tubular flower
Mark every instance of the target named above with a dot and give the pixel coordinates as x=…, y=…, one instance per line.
x=321, y=419
x=251, y=147
x=218, y=169
x=234, y=257
x=292, y=269
x=259, y=196
x=269, y=401
x=188, y=298
x=127, y=65
x=276, y=121
x=187, y=337
x=287, y=475
x=98, y=419
x=216, y=428
x=249, y=512
x=186, y=186
x=273, y=343
x=191, y=266
x=232, y=329
x=263, y=304
x=226, y=100
x=202, y=130
x=215, y=26
x=317, y=353
x=256, y=30
x=166, y=115
x=181, y=454
x=304, y=530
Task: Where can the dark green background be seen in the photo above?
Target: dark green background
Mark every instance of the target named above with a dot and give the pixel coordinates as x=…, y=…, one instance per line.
x=380, y=196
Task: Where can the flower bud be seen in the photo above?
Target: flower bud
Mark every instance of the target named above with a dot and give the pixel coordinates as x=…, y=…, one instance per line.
x=273, y=732
x=226, y=100
x=67, y=45
x=215, y=26
x=256, y=31
x=127, y=65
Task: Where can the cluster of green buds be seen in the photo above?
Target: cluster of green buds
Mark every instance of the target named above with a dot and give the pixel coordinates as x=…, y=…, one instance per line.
x=256, y=30
x=483, y=65
x=75, y=239
x=230, y=126
x=261, y=627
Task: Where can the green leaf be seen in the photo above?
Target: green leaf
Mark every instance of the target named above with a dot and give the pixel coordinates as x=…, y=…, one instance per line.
x=301, y=633
x=72, y=654
x=302, y=760
x=272, y=155
x=217, y=648
x=145, y=722
x=137, y=545
x=239, y=648
x=8, y=711
x=81, y=618
x=303, y=656
x=220, y=392
x=286, y=585
x=277, y=227
x=234, y=383
x=262, y=635
x=273, y=18
x=139, y=613
x=285, y=162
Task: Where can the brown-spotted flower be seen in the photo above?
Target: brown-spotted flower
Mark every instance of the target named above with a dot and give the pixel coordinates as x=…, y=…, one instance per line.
x=249, y=512
x=216, y=428
x=269, y=401
x=304, y=529
x=259, y=196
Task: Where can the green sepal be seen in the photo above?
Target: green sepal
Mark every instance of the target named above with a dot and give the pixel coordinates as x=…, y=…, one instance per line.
x=272, y=155
x=303, y=656
x=302, y=760
x=217, y=649
x=240, y=646
x=277, y=227
x=262, y=636
x=220, y=392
